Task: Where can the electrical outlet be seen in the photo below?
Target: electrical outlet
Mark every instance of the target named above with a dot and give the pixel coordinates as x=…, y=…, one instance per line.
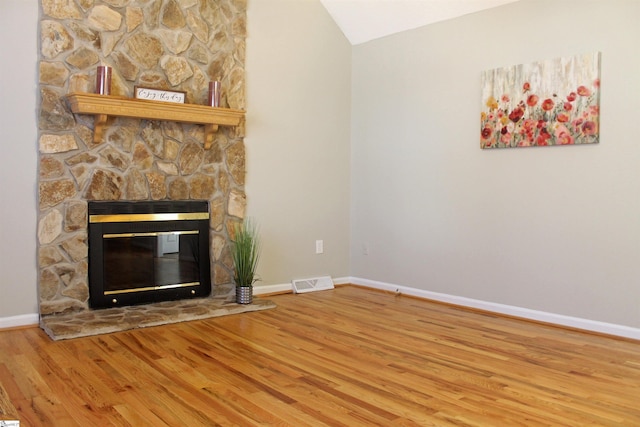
x=319, y=246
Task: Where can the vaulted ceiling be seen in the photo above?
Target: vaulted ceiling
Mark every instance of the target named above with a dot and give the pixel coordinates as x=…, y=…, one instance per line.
x=365, y=20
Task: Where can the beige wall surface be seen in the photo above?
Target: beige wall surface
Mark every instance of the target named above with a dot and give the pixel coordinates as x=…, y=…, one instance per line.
x=297, y=139
x=554, y=229
x=18, y=126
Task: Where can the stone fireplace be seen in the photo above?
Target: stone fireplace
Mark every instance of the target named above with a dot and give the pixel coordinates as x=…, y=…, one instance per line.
x=168, y=44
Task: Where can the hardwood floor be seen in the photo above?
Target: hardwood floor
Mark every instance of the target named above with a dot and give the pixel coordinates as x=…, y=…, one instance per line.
x=345, y=357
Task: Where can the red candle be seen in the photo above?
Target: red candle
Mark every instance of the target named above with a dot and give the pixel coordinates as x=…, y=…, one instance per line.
x=103, y=80
x=214, y=94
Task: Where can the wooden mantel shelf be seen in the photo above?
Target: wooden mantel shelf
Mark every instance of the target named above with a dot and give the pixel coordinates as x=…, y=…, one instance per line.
x=103, y=106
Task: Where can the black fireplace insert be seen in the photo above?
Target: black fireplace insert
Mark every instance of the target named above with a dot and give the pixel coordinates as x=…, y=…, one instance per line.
x=141, y=252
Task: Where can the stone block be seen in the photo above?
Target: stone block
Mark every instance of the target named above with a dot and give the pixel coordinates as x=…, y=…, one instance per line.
x=53, y=73
x=49, y=285
x=76, y=247
x=75, y=216
x=237, y=204
x=104, y=18
x=104, y=185
x=54, y=39
x=136, y=186
x=142, y=158
x=54, y=115
x=61, y=9
x=176, y=68
x=49, y=255
x=82, y=58
x=49, y=143
x=191, y=158
x=52, y=193
x=178, y=189
x=202, y=187
x=172, y=16
x=157, y=186
x=50, y=168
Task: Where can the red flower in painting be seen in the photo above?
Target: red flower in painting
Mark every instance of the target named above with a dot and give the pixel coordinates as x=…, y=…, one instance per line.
x=583, y=91
x=563, y=117
x=505, y=98
x=529, y=125
x=589, y=128
x=572, y=97
x=596, y=83
x=547, y=104
x=543, y=137
x=516, y=114
x=486, y=132
x=526, y=87
x=532, y=100
x=563, y=136
x=567, y=106
x=528, y=129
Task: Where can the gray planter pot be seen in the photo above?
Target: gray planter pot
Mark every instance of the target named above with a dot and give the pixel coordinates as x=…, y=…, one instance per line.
x=244, y=294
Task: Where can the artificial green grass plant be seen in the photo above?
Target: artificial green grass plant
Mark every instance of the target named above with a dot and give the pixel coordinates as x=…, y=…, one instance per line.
x=246, y=252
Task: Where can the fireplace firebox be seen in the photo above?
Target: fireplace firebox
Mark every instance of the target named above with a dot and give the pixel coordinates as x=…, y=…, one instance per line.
x=141, y=252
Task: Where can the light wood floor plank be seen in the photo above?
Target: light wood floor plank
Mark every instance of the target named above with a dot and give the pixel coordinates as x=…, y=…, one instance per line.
x=345, y=357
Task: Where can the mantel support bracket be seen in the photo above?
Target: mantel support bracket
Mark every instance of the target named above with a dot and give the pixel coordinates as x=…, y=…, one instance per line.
x=209, y=134
x=99, y=122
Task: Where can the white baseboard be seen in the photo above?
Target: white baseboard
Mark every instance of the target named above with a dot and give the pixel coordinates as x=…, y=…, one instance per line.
x=271, y=289
x=525, y=313
x=21, y=320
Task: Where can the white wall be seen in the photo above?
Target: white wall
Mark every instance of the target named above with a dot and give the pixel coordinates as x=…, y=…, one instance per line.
x=554, y=229
x=298, y=138
x=18, y=124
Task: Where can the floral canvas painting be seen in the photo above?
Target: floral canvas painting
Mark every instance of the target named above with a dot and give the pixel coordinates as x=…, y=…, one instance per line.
x=552, y=102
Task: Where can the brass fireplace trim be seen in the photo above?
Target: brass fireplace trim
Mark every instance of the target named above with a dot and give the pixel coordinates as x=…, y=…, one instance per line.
x=151, y=288
x=185, y=216
x=150, y=234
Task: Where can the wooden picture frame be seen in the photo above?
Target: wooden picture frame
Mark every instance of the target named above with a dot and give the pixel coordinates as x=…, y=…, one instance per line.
x=163, y=95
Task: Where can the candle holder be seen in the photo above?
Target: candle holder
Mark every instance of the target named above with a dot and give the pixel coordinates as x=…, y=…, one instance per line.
x=103, y=80
x=214, y=93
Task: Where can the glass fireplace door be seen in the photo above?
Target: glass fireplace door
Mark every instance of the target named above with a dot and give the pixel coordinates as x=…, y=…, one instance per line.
x=135, y=262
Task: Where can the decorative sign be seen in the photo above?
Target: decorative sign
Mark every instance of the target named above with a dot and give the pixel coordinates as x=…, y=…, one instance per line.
x=553, y=102
x=150, y=94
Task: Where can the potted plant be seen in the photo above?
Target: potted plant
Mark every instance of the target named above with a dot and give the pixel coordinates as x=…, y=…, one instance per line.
x=246, y=254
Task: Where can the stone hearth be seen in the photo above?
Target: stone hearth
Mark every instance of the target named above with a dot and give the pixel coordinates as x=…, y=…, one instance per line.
x=94, y=322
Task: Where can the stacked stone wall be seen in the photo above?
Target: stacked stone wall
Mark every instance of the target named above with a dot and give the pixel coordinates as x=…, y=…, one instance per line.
x=166, y=44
